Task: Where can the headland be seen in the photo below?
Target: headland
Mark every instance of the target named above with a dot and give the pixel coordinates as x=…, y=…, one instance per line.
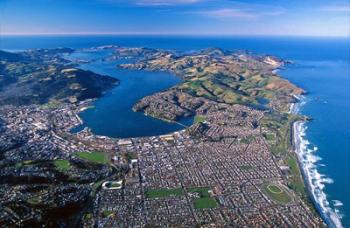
x=234, y=166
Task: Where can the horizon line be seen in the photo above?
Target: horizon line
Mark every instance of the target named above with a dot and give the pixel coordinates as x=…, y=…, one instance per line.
x=168, y=34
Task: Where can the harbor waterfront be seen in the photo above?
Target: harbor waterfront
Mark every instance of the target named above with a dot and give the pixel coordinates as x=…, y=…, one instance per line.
x=134, y=85
x=321, y=67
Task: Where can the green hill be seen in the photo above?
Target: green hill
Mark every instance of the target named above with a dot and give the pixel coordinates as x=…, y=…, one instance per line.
x=36, y=77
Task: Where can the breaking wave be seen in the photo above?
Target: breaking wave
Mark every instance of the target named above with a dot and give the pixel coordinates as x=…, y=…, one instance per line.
x=316, y=181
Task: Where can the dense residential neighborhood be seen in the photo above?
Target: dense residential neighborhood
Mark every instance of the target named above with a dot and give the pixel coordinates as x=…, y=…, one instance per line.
x=233, y=166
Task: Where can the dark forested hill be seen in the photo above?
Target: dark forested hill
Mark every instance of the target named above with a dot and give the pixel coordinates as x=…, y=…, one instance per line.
x=41, y=76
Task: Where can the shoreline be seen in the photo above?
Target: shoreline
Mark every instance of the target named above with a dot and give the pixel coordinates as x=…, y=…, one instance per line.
x=307, y=161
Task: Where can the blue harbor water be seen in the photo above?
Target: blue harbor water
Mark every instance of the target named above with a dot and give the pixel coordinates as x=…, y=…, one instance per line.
x=321, y=66
x=112, y=114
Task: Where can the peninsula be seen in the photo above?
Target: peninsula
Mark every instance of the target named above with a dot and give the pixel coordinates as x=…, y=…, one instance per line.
x=234, y=166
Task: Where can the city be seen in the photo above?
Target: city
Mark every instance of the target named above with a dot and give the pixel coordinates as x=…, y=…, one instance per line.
x=218, y=171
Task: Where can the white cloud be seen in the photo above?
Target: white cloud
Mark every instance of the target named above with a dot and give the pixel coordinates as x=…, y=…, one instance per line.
x=164, y=2
x=336, y=8
x=240, y=13
x=227, y=13
x=152, y=3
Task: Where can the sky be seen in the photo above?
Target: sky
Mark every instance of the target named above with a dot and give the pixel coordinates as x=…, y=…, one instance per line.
x=180, y=17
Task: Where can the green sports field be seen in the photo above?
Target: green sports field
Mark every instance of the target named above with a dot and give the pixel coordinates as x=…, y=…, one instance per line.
x=63, y=165
x=205, y=202
x=163, y=192
x=96, y=157
x=277, y=193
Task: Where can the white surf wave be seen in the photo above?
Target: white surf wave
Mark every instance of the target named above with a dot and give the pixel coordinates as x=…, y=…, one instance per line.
x=337, y=203
x=316, y=181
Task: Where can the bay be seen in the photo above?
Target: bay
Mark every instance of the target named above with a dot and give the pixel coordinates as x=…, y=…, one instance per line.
x=321, y=66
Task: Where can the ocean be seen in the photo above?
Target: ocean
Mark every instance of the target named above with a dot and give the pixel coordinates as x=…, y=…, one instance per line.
x=321, y=66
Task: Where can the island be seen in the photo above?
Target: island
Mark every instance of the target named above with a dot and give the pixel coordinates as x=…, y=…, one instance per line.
x=234, y=166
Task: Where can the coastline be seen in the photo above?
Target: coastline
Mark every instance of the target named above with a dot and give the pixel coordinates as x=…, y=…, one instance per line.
x=314, y=181
x=307, y=166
